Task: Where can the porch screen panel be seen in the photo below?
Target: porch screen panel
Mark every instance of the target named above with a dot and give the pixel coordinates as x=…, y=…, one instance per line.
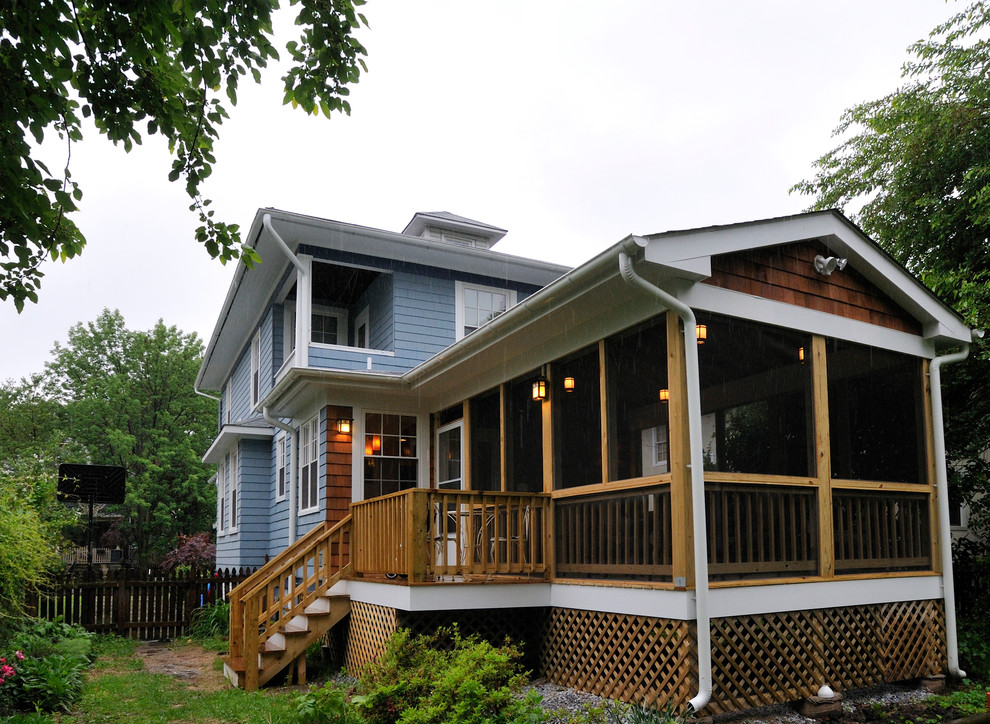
x=486, y=450
x=875, y=414
x=756, y=398
x=761, y=531
x=577, y=431
x=881, y=531
x=635, y=372
x=524, y=438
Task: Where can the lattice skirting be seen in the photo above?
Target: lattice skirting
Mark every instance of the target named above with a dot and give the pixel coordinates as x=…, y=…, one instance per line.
x=369, y=630
x=756, y=660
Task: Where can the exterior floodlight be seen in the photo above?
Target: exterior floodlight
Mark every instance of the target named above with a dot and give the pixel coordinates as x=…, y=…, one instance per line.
x=825, y=266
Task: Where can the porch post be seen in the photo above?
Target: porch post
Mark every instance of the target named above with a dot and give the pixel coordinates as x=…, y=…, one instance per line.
x=681, y=521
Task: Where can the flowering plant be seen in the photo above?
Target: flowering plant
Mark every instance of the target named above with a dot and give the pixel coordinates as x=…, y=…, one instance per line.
x=7, y=672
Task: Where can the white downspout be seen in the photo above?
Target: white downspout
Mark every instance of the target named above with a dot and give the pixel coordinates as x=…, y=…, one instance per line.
x=942, y=493
x=696, y=466
x=293, y=465
x=303, y=293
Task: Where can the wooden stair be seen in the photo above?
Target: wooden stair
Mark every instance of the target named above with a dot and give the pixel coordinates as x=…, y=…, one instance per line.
x=286, y=605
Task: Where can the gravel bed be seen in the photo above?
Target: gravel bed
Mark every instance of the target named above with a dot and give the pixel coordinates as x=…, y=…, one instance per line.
x=568, y=702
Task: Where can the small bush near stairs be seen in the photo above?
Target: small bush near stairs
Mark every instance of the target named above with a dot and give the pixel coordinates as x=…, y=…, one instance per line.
x=442, y=678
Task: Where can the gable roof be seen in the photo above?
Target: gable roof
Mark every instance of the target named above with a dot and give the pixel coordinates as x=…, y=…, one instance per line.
x=251, y=288
x=592, y=301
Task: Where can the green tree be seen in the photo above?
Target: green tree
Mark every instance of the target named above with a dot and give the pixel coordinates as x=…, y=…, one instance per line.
x=128, y=400
x=916, y=163
x=154, y=67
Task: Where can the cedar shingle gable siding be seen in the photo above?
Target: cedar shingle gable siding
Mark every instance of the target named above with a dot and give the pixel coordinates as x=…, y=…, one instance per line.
x=786, y=274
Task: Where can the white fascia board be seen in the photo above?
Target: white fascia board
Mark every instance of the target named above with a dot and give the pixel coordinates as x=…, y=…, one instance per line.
x=230, y=435
x=452, y=596
x=748, y=600
x=674, y=605
x=677, y=605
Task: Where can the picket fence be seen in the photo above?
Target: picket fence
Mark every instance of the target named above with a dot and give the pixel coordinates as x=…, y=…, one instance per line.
x=142, y=604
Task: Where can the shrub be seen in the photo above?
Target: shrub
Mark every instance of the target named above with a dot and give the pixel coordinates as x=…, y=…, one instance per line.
x=44, y=670
x=211, y=620
x=193, y=551
x=25, y=553
x=446, y=678
x=326, y=705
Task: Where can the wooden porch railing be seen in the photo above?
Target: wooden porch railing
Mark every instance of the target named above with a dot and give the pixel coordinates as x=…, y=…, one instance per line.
x=881, y=531
x=432, y=535
x=757, y=531
x=624, y=535
x=283, y=588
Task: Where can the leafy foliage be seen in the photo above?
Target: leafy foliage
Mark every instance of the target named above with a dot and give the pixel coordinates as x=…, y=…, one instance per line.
x=26, y=552
x=193, y=551
x=50, y=659
x=212, y=620
x=445, y=677
x=128, y=400
x=917, y=163
x=158, y=67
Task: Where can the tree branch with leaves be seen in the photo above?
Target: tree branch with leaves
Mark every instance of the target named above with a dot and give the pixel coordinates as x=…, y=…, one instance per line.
x=156, y=67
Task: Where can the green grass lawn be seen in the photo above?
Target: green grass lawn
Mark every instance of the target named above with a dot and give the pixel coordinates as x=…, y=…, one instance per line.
x=120, y=688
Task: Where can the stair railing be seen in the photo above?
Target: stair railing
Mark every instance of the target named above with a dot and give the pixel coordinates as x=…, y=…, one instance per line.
x=282, y=589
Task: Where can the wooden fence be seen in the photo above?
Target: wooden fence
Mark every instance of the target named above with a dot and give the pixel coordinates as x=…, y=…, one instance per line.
x=137, y=604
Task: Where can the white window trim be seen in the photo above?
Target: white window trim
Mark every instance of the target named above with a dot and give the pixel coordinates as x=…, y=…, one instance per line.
x=281, y=468
x=341, y=316
x=450, y=426
x=222, y=483
x=234, y=498
x=363, y=317
x=255, y=381
x=227, y=401
x=459, y=287
x=288, y=330
x=303, y=478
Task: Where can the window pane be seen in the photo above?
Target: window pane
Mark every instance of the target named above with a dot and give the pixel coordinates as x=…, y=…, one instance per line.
x=486, y=452
x=755, y=398
x=577, y=434
x=875, y=414
x=524, y=438
x=636, y=371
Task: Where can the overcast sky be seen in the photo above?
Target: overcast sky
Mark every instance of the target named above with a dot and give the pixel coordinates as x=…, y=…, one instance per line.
x=569, y=123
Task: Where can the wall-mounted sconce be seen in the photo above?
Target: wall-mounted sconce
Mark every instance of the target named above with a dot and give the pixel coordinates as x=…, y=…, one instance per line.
x=826, y=265
x=568, y=384
x=701, y=331
x=801, y=354
x=540, y=389
x=664, y=395
x=344, y=425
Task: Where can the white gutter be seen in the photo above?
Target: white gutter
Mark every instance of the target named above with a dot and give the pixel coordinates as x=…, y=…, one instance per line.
x=942, y=493
x=697, y=469
x=293, y=465
x=203, y=394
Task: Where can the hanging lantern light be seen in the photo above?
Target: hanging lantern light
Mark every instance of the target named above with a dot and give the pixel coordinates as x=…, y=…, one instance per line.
x=568, y=384
x=664, y=395
x=701, y=332
x=540, y=389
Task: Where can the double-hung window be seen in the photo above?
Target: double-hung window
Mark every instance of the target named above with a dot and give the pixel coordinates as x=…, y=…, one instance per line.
x=235, y=490
x=282, y=470
x=478, y=304
x=309, y=453
x=390, y=453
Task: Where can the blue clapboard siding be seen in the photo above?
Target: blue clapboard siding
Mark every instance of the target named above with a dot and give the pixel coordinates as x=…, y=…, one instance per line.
x=424, y=317
x=247, y=547
x=306, y=522
x=240, y=381
x=278, y=520
x=378, y=299
x=268, y=366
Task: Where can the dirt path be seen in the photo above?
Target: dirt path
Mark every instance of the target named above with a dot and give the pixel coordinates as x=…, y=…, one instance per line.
x=186, y=661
